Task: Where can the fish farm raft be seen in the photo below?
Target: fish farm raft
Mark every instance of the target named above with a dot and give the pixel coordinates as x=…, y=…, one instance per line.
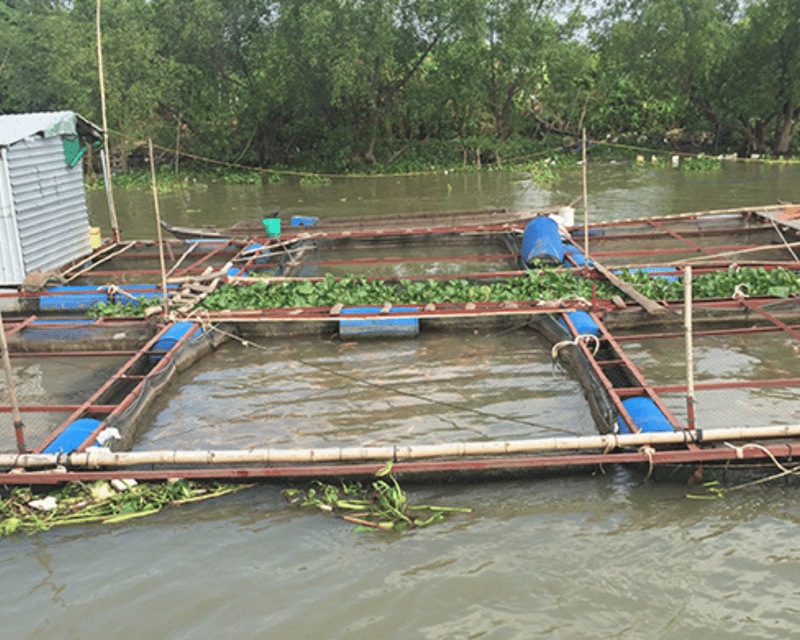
x=114, y=328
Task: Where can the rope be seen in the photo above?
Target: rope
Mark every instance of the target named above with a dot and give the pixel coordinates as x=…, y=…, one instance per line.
x=514, y=160
x=574, y=342
x=740, y=455
x=648, y=451
x=752, y=445
x=611, y=444
x=738, y=294
x=113, y=290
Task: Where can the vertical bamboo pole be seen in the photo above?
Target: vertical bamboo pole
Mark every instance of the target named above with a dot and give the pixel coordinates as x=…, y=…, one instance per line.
x=687, y=323
x=12, y=391
x=105, y=156
x=178, y=148
x=585, y=210
x=158, y=227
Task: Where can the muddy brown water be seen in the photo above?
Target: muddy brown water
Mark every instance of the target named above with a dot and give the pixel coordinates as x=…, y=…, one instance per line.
x=601, y=556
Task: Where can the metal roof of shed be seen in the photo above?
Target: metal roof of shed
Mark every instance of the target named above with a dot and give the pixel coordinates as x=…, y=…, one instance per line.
x=16, y=127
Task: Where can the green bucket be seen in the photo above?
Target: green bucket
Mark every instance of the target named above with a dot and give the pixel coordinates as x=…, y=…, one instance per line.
x=272, y=226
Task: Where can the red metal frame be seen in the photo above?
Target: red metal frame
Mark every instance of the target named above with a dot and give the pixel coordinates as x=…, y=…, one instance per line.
x=691, y=454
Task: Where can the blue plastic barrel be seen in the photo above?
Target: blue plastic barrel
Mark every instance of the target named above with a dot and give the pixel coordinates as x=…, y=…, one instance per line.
x=380, y=325
x=583, y=322
x=645, y=415
x=542, y=241
x=577, y=255
x=171, y=337
x=666, y=273
x=71, y=298
x=64, y=321
x=73, y=436
x=304, y=221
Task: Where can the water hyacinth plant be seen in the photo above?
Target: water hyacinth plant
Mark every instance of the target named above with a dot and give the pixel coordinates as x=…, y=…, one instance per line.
x=536, y=284
x=24, y=510
x=382, y=505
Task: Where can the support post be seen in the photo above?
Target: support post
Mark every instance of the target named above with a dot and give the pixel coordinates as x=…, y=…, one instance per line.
x=12, y=391
x=687, y=323
x=585, y=210
x=158, y=228
x=104, y=154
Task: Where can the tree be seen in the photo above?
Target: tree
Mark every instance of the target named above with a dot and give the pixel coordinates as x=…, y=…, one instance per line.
x=769, y=55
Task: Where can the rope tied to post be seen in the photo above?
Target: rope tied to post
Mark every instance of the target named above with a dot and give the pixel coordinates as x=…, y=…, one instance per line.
x=738, y=293
x=574, y=342
x=648, y=451
x=114, y=290
x=752, y=445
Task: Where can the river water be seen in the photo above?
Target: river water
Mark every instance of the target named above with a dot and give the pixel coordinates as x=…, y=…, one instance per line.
x=601, y=556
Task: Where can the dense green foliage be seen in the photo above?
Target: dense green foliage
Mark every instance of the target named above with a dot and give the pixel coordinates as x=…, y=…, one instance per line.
x=118, y=308
x=544, y=284
x=538, y=284
x=353, y=291
x=406, y=85
x=745, y=281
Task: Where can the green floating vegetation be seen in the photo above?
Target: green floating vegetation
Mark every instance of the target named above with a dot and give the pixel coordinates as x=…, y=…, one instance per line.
x=313, y=180
x=106, y=502
x=122, y=309
x=542, y=284
x=382, y=505
x=700, y=163
x=714, y=491
x=547, y=284
x=748, y=281
x=168, y=181
x=536, y=284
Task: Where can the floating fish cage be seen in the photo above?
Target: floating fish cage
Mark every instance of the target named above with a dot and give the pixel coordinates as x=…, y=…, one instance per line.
x=600, y=345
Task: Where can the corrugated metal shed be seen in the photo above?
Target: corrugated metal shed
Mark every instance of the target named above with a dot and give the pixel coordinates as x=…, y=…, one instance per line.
x=44, y=223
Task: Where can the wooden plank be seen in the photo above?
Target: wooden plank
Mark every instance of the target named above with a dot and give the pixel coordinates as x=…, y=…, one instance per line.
x=651, y=306
x=118, y=250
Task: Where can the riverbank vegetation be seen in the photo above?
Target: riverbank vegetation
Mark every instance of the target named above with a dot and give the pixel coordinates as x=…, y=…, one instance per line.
x=377, y=86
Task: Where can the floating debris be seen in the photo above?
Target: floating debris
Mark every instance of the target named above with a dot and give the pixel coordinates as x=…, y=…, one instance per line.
x=105, y=502
x=382, y=505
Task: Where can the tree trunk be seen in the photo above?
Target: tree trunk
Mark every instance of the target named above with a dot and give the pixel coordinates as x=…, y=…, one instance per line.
x=369, y=154
x=786, y=131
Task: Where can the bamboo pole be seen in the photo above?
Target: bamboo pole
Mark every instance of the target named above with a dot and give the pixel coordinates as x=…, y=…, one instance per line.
x=733, y=213
x=95, y=457
x=585, y=211
x=687, y=323
x=104, y=159
x=178, y=148
x=181, y=259
x=158, y=228
x=12, y=390
x=735, y=252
